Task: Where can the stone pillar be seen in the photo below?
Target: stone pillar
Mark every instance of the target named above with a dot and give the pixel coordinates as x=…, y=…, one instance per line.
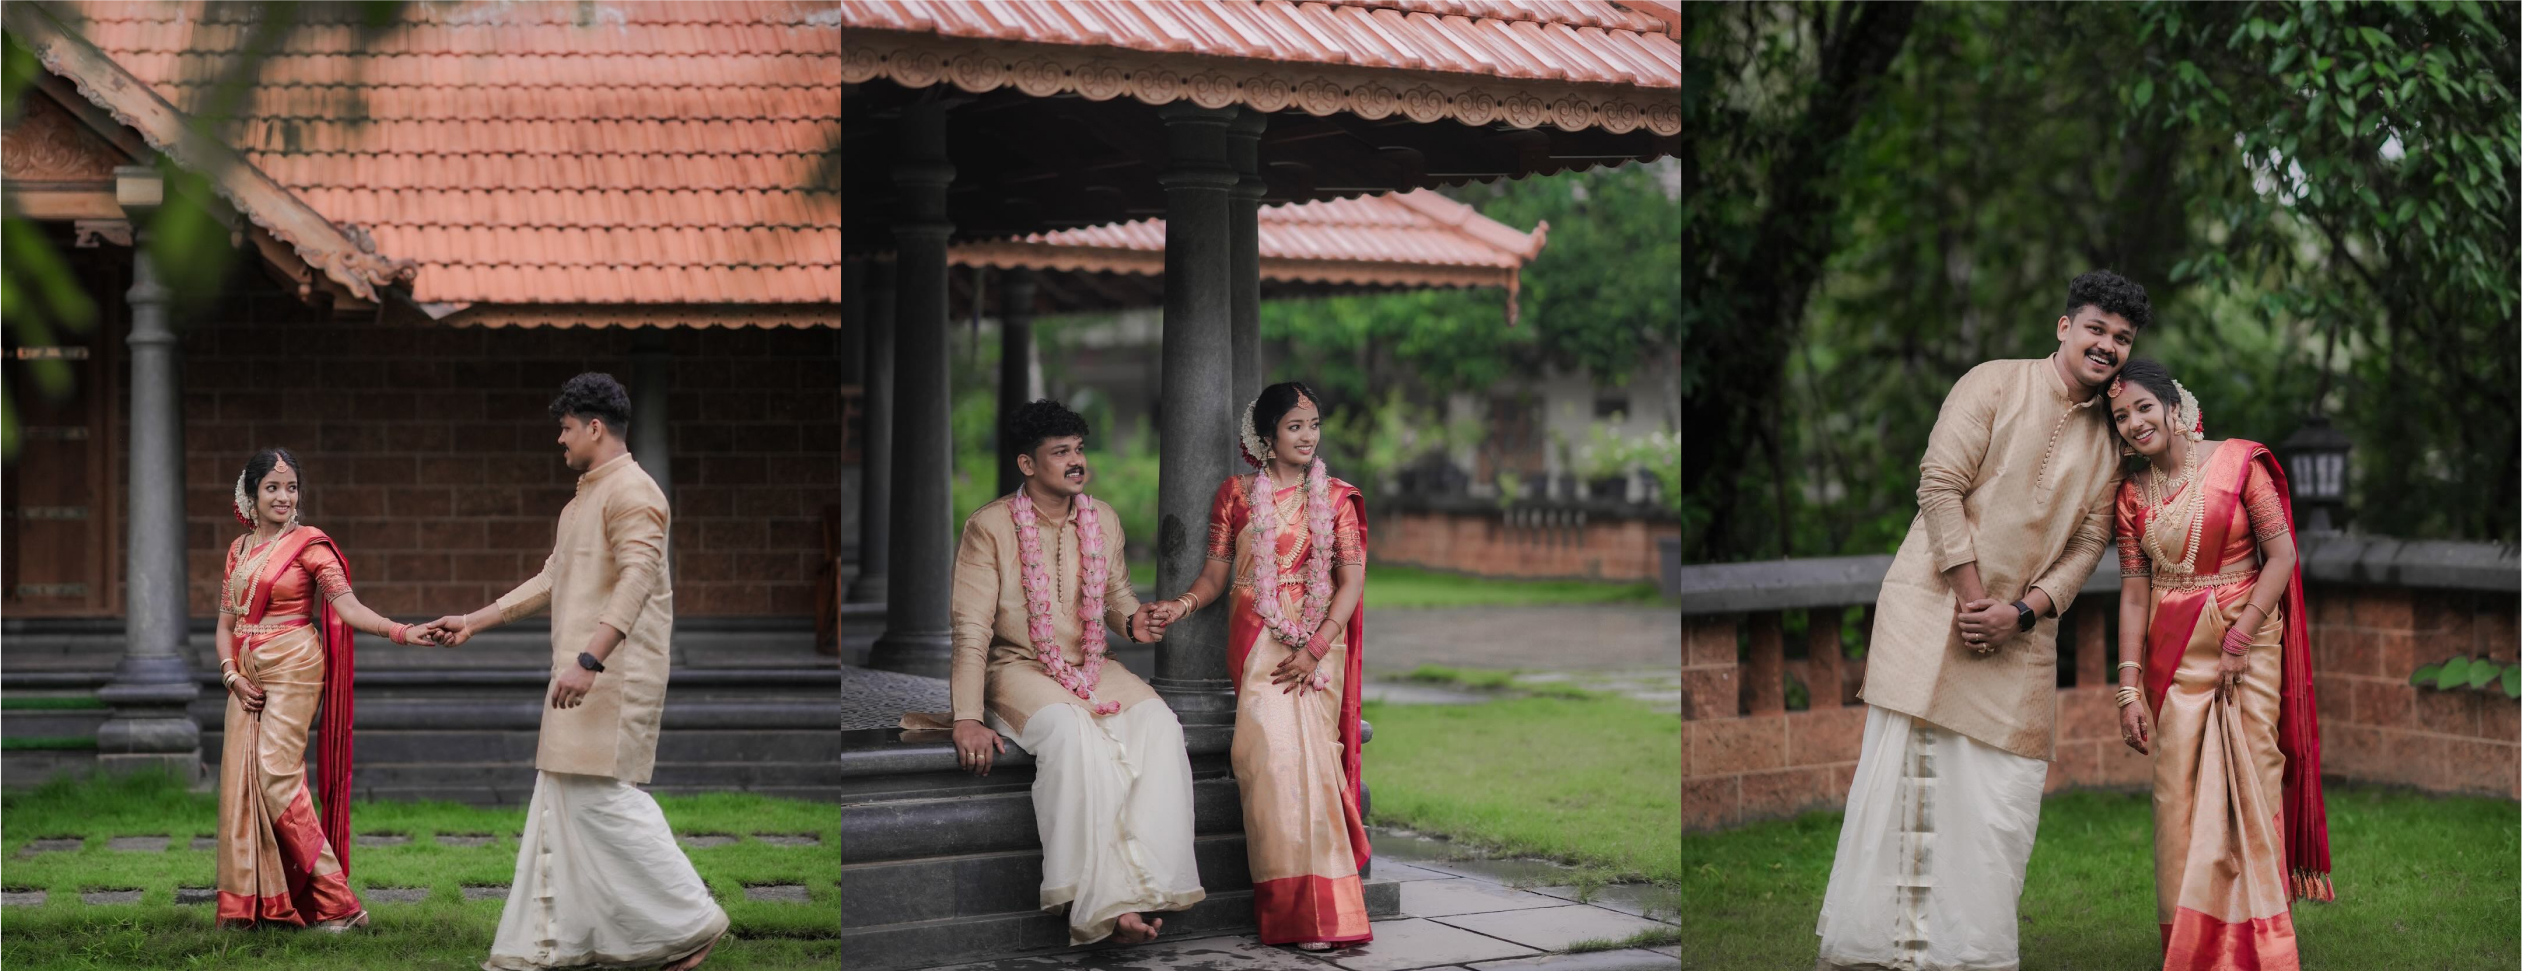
x=1198, y=421
x=651, y=368
x=1015, y=361
x=875, y=455
x=918, y=623
x=149, y=727
x=1243, y=149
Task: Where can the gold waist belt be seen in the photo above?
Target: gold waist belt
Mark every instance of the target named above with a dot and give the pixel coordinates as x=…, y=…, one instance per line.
x=2191, y=582
x=274, y=627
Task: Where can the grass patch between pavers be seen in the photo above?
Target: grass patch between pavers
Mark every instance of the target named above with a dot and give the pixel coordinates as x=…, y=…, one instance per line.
x=444, y=930
x=2424, y=882
x=1594, y=782
x=1650, y=938
x=1411, y=587
x=52, y=702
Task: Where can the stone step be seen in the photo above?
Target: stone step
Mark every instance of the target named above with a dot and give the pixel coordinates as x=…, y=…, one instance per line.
x=507, y=713
x=26, y=723
x=52, y=645
x=991, y=821
x=978, y=885
x=805, y=682
x=516, y=747
x=521, y=793
x=1025, y=933
x=713, y=776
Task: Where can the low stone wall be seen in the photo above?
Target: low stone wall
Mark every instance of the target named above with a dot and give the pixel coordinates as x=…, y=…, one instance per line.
x=1530, y=543
x=1746, y=757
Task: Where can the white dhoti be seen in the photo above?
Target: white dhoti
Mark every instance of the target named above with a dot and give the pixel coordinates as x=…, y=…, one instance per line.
x=1931, y=855
x=601, y=883
x=1112, y=797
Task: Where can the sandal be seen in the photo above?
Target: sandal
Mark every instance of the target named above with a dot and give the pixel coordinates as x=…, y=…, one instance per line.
x=340, y=925
x=1316, y=946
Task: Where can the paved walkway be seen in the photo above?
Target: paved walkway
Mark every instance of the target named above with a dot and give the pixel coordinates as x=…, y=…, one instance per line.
x=1454, y=915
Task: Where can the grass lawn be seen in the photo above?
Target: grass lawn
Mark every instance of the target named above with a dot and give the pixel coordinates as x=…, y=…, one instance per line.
x=1410, y=587
x=441, y=931
x=2423, y=882
x=1594, y=782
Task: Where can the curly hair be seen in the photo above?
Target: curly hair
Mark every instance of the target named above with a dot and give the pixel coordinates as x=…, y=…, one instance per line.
x=2112, y=293
x=595, y=395
x=1039, y=420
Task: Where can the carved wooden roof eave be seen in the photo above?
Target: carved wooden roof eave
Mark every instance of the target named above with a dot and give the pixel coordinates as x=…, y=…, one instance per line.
x=919, y=60
x=646, y=315
x=132, y=104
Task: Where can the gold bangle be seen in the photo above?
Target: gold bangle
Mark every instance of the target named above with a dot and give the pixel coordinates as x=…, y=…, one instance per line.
x=2128, y=695
x=2134, y=665
x=228, y=679
x=1188, y=600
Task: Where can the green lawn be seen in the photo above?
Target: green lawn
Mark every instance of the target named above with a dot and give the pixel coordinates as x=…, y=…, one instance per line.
x=1410, y=587
x=2423, y=883
x=442, y=931
x=1594, y=782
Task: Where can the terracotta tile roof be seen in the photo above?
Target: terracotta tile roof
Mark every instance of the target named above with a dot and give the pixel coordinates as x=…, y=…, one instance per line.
x=1410, y=239
x=1473, y=60
x=1567, y=40
x=658, y=153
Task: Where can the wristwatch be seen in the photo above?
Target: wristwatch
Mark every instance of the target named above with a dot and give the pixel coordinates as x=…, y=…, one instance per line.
x=586, y=660
x=2024, y=616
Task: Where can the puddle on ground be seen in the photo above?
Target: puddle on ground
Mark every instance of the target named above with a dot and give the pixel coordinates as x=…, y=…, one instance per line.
x=1414, y=848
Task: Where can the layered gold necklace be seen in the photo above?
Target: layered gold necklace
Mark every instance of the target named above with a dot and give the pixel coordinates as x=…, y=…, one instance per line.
x=2174, y=515
x=240, y=596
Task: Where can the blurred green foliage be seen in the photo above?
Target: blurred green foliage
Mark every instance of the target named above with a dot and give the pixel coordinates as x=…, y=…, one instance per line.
x=2318, y=197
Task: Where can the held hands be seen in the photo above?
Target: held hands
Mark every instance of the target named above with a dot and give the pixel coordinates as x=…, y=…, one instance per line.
x=1148, y=625
x=1986, y=624
x=446, y=632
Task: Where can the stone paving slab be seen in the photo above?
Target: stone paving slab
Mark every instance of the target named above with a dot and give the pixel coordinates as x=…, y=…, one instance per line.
x=1416, y=943
x=399, y=895
x=185, y=896
x=1672, y=950
x=148, y=845
x=118, y=896
x=790, y=840
x=22, y=899
x=1553, y=929
x=708, y=840
x=1463, y=896
x=1628, y=899
x=205, y=843
x=1392, y=870
x=380, y=840
x=1219, y=953
x=792, y=893
x=1628, y=959
x=51, y=845
x=465, y=840
x=485, y=892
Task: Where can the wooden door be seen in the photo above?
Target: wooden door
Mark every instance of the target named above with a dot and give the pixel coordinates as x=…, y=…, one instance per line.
x=62, y=552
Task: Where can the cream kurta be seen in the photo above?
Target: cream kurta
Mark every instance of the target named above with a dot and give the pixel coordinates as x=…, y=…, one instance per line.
x=2018, y=478
x=607, y=566
x=994, y=666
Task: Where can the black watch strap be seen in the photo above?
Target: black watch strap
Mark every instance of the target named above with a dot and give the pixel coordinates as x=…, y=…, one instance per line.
x=2023, y=621
x=586, y=660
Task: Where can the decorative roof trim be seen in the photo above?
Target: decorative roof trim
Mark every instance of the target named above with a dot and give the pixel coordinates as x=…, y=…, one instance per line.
x=647, y=315
x=132, y=103
x=919, y=60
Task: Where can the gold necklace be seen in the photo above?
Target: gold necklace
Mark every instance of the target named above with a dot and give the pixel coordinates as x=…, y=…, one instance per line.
x=2178, y=517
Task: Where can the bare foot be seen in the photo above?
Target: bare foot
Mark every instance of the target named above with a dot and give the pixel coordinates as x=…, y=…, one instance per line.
x=693, y=961
x=1135, y=930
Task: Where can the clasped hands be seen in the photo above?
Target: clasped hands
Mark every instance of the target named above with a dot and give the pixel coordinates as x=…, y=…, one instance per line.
x=1986, y=623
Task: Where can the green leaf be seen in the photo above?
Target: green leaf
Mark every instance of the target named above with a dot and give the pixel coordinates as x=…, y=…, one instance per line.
x=2375, y=39
x=2144, y=92
x=2455, y=673
x=2284, y=57
x=2482, y=672
x=2513, y=682
x=2426, y=674
x=2407, y=208
x=2259, y=29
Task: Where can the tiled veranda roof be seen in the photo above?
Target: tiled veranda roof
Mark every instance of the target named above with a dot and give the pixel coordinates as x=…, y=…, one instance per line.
x=656, y=153
x=1418, y=239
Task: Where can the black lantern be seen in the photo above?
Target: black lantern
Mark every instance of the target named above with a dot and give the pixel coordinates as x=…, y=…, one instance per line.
x=2316, y=469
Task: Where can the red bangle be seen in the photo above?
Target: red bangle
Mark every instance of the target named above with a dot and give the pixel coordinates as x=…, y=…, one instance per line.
x=395, y=634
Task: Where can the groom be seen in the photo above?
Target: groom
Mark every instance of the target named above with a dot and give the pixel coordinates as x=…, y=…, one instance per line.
x=600, y=882
x=1038, y=579
x=2014, y=509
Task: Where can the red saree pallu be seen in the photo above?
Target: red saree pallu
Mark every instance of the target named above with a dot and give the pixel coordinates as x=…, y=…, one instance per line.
x=281, y=861
x=2240, y=827
x=1304, y=826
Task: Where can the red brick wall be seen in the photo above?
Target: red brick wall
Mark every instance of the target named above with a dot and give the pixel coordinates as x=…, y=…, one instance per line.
x=1744, y=757
x=1485, y=545
x=431, y=458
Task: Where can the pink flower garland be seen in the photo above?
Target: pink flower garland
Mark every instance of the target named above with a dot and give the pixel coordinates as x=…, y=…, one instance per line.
x=1037, y=587
x=1265, y=585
